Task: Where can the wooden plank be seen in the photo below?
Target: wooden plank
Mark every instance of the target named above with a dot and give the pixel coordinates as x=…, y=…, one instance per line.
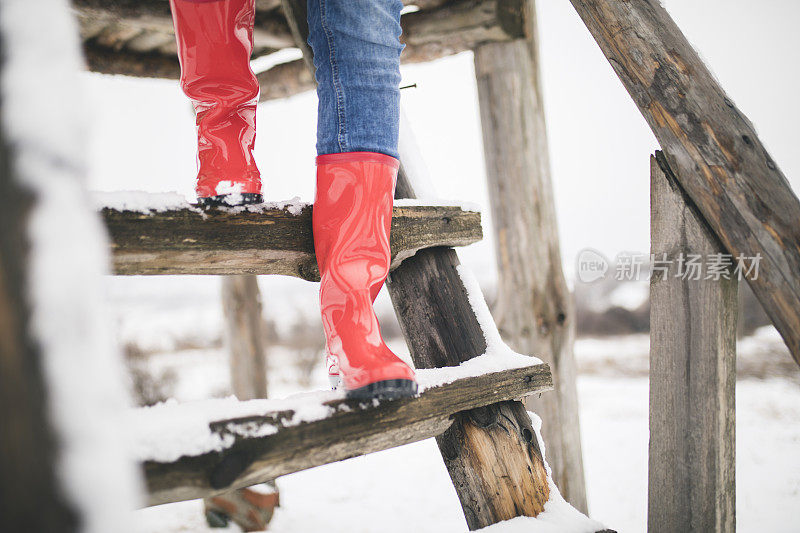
x=261, y=240
x=241, y=305
x=692, y=372
x=352, y=428
x=710, y=145
x=533, y=310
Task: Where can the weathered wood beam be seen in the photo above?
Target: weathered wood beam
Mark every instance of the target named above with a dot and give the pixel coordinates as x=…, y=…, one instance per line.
x=121, y=21
x=466, y=23
x=261, y=241
x=491, y=453
x=439, y=30
x=352, y=428
x=129, y=63
x=244, y=336
x=285, y=79
x=692, y=372
x=711, y=146
x=533, y=310
x=428, y=34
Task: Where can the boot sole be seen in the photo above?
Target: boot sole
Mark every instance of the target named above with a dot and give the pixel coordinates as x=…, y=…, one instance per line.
x=389, y=389
x=223, y=200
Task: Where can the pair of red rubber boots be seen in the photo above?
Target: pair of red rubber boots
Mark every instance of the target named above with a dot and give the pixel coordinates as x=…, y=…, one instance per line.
x=353, y=206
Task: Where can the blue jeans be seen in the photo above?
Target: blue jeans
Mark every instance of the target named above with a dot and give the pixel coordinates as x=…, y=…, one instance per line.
x=357, y=47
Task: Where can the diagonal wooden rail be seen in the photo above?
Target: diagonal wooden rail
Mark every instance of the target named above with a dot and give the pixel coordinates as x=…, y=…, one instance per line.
x=261, y=240
x=273, y=444
x=711, y=146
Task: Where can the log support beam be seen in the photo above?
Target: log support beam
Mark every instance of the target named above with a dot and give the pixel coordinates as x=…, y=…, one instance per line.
x=534, y=308
x=117, y=36
x=692, y=372
x=711, y=147
x=241, y=306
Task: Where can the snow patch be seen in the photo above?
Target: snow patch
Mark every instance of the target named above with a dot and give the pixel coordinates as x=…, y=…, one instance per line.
x=148, y=202
x=477, y=366
x=630, y=295
x=494, y=343
x=169, y=430
x=422, y=202
x=414, y=165
x=141, y=202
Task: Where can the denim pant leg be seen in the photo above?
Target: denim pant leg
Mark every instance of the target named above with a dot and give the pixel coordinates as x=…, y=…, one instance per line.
x=356, y=45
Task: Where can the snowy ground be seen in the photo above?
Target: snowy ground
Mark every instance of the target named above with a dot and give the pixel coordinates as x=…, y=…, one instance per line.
x=177, y=322
x=350, y=497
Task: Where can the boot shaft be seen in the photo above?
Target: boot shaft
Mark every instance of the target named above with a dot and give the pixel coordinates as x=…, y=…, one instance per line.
x=352, y=219
x=215, y=41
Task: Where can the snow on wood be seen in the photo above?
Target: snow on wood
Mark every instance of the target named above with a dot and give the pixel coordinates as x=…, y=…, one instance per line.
x=198, y=449
x=82, y=368
x=415, y=170
x=161, y=202
x=494, y=342
x=163, y=234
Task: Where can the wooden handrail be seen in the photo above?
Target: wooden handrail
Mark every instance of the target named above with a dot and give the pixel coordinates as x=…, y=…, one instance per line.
x=711, y=146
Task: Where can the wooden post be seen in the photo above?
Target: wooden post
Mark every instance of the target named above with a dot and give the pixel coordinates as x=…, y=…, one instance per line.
x=692, y=371
x=490, y=453
x=247, y=360
x=31, y=497
x=534, y=310
x=241, y=304
x=711, y=146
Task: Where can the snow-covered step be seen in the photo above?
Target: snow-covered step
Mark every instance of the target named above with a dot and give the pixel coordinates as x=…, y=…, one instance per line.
x=164, y=234
x=197, y=449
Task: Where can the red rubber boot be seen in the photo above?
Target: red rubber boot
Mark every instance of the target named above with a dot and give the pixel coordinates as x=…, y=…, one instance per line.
x=215, y=40
x=352, y=219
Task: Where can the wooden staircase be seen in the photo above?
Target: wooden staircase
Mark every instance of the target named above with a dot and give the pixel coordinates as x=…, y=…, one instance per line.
x=471, y=383
x=483, y=431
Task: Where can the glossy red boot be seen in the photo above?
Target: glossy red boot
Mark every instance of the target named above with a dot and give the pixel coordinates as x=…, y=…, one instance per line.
x=215, y=40
x=352, y=219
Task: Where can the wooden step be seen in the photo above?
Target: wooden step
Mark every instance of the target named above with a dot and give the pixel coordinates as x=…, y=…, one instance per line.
x=264, y=239
x=218, y=445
